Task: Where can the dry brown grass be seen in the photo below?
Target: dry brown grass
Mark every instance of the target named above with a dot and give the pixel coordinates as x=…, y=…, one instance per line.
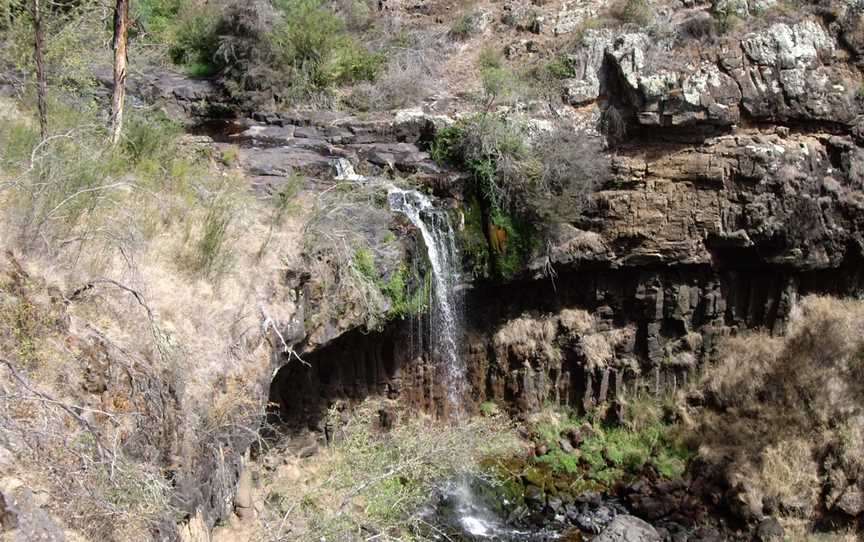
x=168, y=366
x=529, y=338
x=788, y=405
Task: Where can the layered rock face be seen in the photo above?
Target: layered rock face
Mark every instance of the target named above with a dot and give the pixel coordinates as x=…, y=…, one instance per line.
x=736, y=189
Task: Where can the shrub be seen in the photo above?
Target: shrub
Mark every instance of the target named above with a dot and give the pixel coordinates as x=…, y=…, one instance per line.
x=464, y=26
x=193, y=41
x=633, y=11
x=703, y=29
x=569, y=166
x=313, y=42
x=212, y=250
x=490, y=58
x=150, y=137
x=524, y=186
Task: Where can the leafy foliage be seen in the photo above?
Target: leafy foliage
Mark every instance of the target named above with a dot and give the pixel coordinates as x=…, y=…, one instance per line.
x=524, y=185
x=286, y=51
x=407, y=295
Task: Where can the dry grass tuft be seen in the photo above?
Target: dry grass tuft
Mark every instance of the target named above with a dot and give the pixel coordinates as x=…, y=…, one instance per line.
x=790, y=410
x=529, y=338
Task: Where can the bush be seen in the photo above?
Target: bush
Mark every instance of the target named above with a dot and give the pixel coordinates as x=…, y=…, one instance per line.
x=548, y=179
x=633, y=11
x=150, y=137
x=569, y=166
x=313, y=42
x=193, y=40
x=291, y=51
x=464, y=26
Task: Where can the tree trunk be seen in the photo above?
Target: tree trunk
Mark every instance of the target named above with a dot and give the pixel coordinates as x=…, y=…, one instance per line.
x=41, y=84
x=121, y=19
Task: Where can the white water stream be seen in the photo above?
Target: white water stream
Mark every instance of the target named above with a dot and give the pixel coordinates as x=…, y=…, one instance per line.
x=446, y=332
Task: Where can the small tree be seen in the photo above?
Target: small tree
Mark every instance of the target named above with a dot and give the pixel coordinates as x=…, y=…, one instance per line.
x=39, y=56
x=121, y=21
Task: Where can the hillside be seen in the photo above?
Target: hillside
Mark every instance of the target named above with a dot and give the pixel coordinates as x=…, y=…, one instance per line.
x=445, y=270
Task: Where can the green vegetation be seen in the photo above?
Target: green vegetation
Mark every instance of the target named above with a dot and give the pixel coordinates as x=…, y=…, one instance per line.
x=212, y=257
x=474, y=247
x=464, y=26
x=489, y=408
x=291, y=50
x=407, y=295
x=633, y=11
x=608, y=453
x=377, y=479
x=493, y=152
x=560, y=67
x=522, y=186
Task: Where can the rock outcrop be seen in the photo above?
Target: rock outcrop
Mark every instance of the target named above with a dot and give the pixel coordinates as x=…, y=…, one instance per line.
x=626, y=528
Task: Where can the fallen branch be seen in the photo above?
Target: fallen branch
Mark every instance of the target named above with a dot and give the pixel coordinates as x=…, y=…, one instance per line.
x=100, y=448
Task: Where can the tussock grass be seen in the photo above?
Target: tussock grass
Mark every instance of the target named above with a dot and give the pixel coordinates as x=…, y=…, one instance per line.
x=117, y=304
x=529, y=338
x=788, y=409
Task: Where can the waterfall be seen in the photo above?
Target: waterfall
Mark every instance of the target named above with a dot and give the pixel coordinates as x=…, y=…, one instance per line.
x=345, y=171
x=446, y=324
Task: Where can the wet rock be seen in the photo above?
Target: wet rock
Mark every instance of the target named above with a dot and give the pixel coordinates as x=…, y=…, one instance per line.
x=594, y=519
x=574, y=435
x=626, y=528
x=535, y=496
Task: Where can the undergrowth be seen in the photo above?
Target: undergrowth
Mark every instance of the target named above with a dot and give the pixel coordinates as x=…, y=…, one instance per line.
x=74, y=190
x=524, y=183
x=606, y=454
x=375, y=479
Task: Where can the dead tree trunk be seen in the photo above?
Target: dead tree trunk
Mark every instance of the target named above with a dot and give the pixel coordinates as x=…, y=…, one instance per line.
x=41, y=83
x=121, y=20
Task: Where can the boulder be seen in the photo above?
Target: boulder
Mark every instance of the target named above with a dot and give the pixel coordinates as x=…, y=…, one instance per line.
x=769, y=530
x=851, y=502
x=625, y=528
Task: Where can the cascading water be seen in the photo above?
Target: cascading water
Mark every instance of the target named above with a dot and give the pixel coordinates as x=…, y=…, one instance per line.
x=446, y=323
x=473, y=517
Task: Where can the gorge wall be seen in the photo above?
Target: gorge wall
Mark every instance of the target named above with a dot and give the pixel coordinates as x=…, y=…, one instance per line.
x=736, y=189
